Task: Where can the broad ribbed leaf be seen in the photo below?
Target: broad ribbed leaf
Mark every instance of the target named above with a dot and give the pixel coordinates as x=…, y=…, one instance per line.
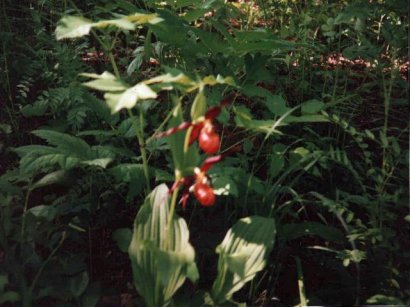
x=161, y=258
x=242, y=254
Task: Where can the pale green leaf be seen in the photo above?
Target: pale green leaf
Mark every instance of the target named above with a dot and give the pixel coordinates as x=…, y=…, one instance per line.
x=106, y=85
x=139, y=18
x=76, y=26
x=211, y=80
x=101, y=162
x=119, y=23
x=46, y=212
x=52, y=178
x=170, y=78
x=129, y=98
x=72, y=27
x=242, y=254
x=105, y=75
x=161, y=257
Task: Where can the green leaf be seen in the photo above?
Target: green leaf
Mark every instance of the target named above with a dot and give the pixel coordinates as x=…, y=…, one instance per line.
x=129, y=98
x=175, y=77
x=78, y=283
x=277, y=105
x=381, y=299
x=198, y=106
x=140, y=18
x=104, y=76
x=131, y=173
x=311, y=118
x=4, y=280
x=161, y=257
x=242, y=254
x=122, y=237
x=69, y=152
x=9, y=297
x=106, y=85
x=127, y=172
x=135, y=64
x=211, y=80
x=73, y=26
x=52, y=178
x=119, y=23
x=312, y=106
x=224, y=185
x=106, y=82
x=101, y=162
x=91, y=296
x=66, y=143
x=76, y=26
x=277, y=161
x=295, y=231
x=46, y=212
x=182, y=161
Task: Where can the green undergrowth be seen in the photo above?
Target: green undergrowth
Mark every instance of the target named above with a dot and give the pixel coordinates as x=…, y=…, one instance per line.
x=313, y=129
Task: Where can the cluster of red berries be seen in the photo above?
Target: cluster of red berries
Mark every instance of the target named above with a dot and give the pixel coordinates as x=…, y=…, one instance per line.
x=203, y=131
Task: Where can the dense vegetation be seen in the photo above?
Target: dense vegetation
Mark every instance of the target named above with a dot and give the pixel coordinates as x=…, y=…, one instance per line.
x=284, y=122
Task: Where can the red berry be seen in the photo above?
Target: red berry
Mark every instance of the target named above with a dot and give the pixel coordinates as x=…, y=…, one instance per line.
x=209, y=140
x=204, y=194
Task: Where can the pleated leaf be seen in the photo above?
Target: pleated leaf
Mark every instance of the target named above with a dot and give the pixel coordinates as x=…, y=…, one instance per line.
x=161, y=258
x=242, y=254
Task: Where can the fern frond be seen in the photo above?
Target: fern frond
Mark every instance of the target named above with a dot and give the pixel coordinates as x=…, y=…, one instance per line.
x=68, y=144
x=35, y=164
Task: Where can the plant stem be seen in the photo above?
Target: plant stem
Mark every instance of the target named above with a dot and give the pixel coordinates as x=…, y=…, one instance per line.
x=113, y=64
x=177, y=179
x=172, y=209
x=23, y=223
x=301, y=283
x=141, y=144
x=41, y=269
